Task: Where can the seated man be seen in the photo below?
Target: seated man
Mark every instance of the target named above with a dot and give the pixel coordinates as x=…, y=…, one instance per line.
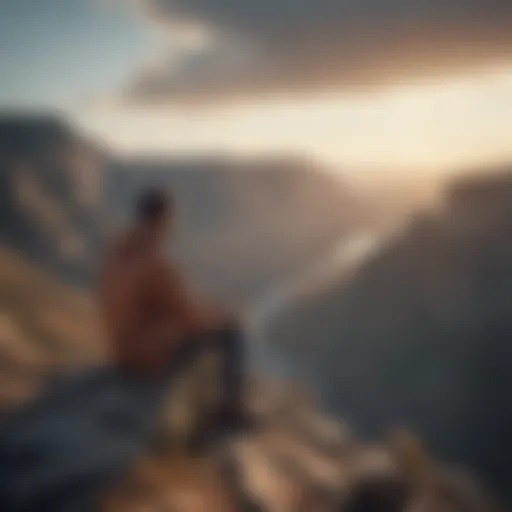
x=152, y=322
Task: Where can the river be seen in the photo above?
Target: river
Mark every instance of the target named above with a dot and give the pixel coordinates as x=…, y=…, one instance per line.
x=339, y=262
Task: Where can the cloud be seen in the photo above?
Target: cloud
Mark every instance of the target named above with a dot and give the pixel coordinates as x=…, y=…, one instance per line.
x=227, y=48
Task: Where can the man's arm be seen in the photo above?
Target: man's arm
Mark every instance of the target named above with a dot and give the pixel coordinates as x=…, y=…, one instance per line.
x=193, y=315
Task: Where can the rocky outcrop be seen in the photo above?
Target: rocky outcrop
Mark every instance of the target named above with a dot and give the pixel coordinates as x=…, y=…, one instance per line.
x=97, y=442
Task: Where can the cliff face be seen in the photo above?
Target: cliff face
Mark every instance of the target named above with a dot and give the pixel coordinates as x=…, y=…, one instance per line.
x=51, y=194
x=421, y=332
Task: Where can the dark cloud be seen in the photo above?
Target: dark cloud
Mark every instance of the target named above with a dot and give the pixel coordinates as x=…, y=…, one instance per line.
x=296, y=45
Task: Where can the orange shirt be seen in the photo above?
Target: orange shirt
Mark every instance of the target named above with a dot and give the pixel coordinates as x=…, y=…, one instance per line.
x=146, y=308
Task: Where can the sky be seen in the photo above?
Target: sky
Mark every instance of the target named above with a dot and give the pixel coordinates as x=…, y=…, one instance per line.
x=361, y=85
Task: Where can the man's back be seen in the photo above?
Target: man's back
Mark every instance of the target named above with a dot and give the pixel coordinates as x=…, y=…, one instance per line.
x=144, y=307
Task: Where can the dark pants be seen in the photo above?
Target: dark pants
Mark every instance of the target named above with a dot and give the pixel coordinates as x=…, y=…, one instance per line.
x=228, y=343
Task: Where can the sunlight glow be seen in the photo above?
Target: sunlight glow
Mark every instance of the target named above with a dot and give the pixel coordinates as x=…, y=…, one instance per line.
x=433, y=127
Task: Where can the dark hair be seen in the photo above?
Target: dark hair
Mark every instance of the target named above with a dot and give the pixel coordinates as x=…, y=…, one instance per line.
x=153, y=204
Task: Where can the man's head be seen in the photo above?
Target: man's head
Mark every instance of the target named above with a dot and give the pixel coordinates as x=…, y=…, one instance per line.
x=155, y=210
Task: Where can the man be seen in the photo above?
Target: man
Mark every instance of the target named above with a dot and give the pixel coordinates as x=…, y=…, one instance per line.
x=153, y=323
